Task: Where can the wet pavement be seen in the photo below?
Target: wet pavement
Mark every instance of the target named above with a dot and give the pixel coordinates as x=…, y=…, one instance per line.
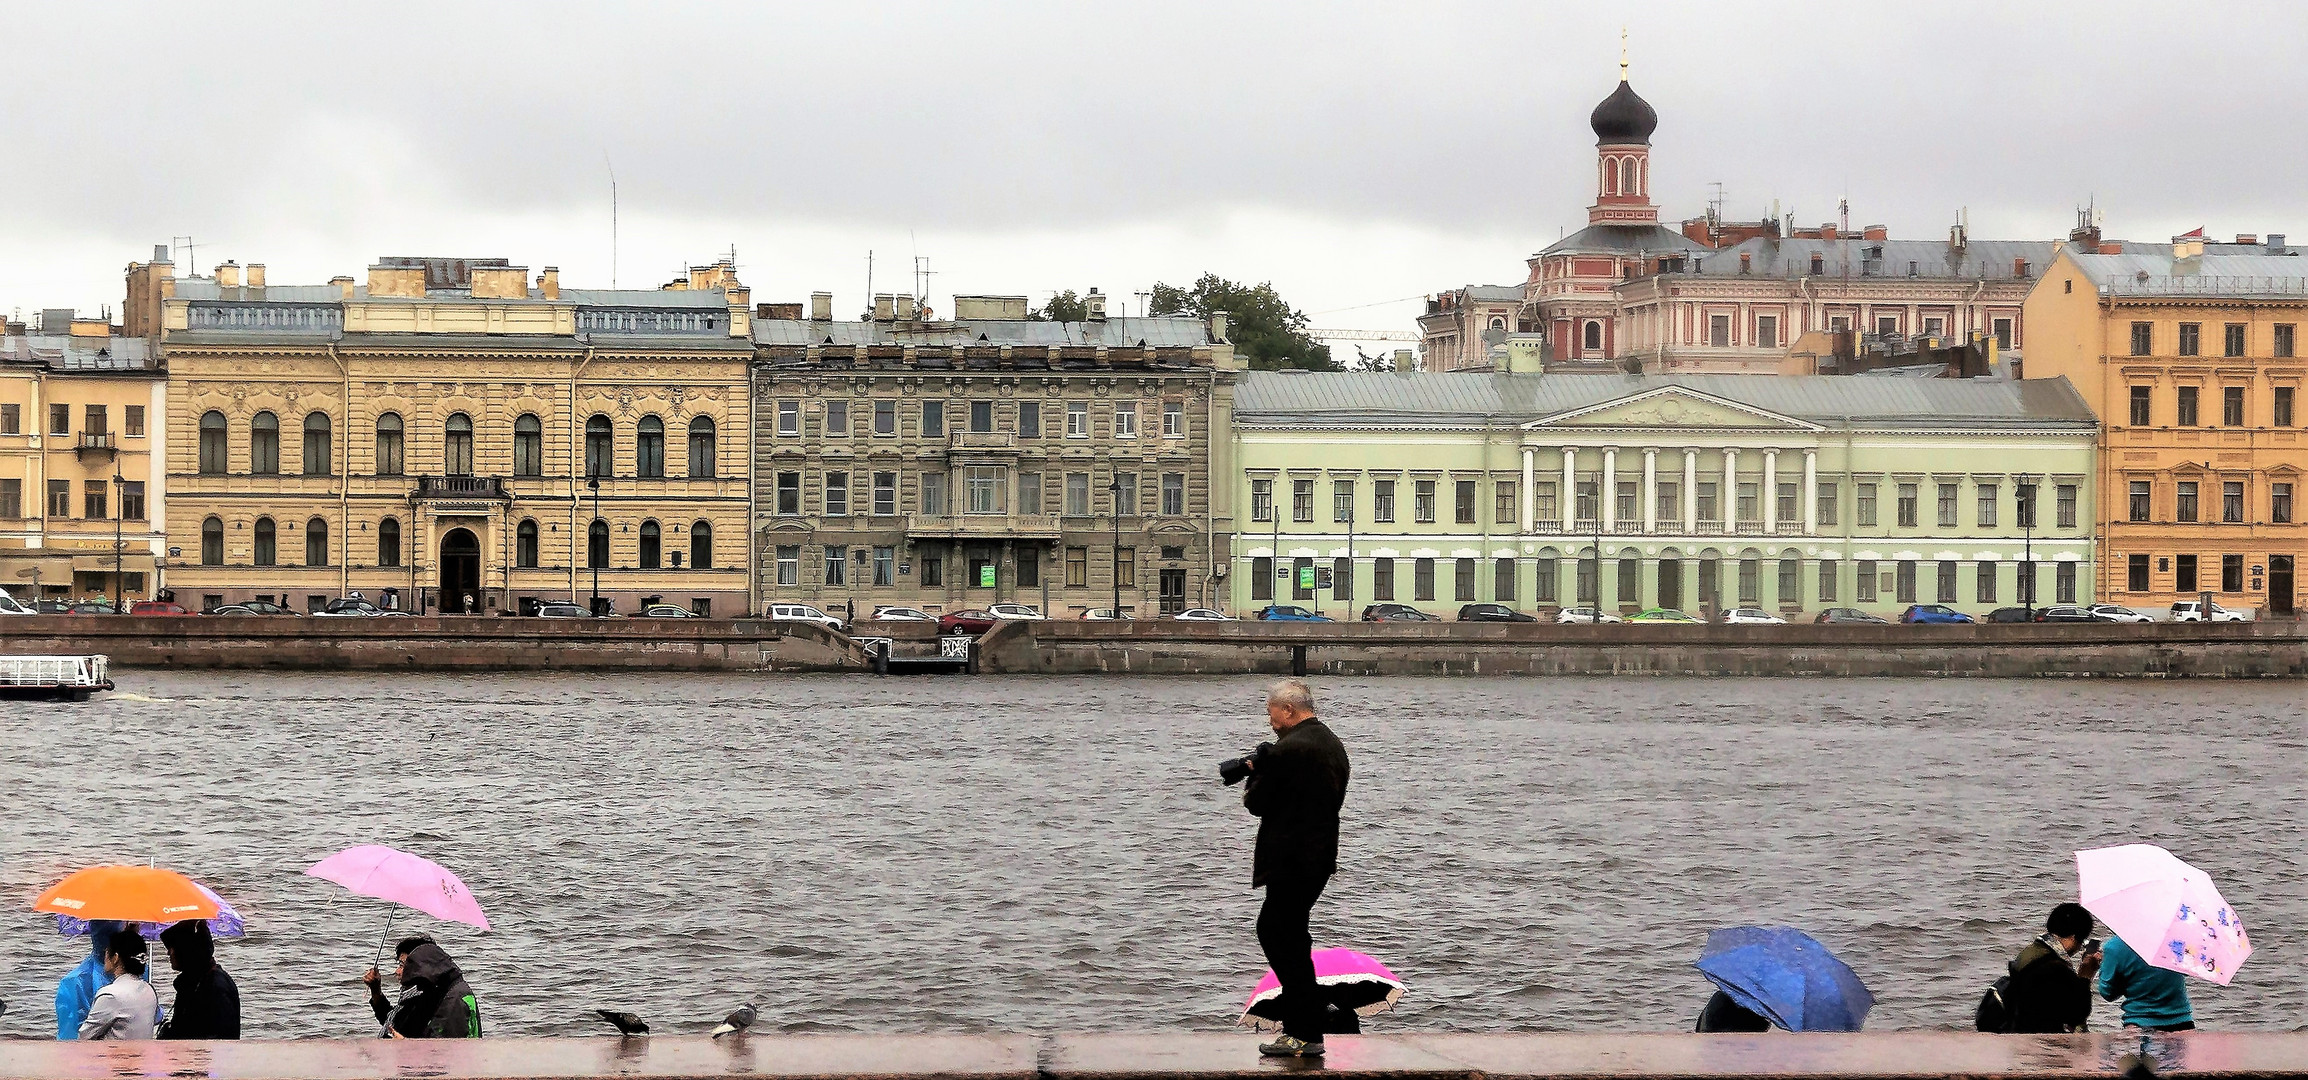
x=1055, y=854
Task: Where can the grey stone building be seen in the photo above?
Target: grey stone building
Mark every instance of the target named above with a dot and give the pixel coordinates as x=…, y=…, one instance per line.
x=950, y=464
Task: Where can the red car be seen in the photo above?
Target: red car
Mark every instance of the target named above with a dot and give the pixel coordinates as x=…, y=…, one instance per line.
x=156, y=607
x=967, y=622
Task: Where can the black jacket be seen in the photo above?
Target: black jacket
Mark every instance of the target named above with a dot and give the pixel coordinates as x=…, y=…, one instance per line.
x=1296, y=791
x=207, y=1006
x=435, y=1002
x=2046, y=996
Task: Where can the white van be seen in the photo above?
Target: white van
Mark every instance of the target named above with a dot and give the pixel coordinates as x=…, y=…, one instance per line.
x=9, y=606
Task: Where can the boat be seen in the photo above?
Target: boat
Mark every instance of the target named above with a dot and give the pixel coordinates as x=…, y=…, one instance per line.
x=55, y=678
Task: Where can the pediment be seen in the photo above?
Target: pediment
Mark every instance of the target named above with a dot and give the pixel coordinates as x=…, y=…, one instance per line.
x=1673, y=407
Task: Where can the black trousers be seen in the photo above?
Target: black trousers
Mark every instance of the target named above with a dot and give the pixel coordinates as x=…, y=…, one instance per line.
x=1283, y=934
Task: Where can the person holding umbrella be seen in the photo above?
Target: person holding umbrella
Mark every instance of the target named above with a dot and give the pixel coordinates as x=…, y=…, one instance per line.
x=207, y=1001
x=435, y=1002
x=125, y=1008
x=1295, y=790
x=2147, y=895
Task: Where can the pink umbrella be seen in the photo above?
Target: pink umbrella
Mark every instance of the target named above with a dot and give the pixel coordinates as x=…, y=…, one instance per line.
x=402, y=878
x=1350, y=980
x=2165, y=909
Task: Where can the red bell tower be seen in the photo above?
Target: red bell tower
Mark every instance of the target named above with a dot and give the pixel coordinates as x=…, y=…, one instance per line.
x=1623, y=125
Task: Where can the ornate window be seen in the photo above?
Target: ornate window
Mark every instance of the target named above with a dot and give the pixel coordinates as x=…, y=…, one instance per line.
x=317, y=444
x=457, y=445
x=600, y=446
x=212, y=445
x=264, y=444
x=528, y=446
x=649, y=448
x=389, y=444
x=701, y=545
x=701, y=447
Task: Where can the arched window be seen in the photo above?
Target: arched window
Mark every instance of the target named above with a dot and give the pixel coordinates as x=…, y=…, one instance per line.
x=317, y=444
x=264, y=542
x=649, y=448
x=525, y=544
x=1498, y=323
x=701, y=545
x=528, y=446
x=457, y=445
x=1627, y=177
x=1594, y=339
x=317, y=542
x=212, y=445
x=264, y=444
x=600, y=446
x=1610, y=173
x=389, y=444
x=649, y=549
x=212, y=542
x=597, y=545
x=389, y=542
x=701, y=448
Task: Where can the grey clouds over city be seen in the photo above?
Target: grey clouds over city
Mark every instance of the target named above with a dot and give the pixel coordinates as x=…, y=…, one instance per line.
x=1355, y=154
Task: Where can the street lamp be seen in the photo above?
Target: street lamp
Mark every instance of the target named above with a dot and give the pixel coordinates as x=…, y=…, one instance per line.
x=593, y=483
x=2027, y=513
x=119, y=545
x=1114, y=555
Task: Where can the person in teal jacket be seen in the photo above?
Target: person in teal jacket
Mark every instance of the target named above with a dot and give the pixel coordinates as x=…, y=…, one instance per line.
x=2155, y=999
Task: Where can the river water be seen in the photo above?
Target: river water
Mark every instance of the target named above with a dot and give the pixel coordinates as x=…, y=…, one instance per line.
x=1056, y=854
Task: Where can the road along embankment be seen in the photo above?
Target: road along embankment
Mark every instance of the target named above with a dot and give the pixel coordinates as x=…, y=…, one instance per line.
x=438, y=643
x=2104, y=650
x=1178, y=1056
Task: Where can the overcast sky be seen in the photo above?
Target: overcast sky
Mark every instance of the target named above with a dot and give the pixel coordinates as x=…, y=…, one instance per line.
x=1357, y=155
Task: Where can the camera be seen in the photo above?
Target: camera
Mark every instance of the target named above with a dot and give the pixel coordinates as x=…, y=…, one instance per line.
x=1233, y=771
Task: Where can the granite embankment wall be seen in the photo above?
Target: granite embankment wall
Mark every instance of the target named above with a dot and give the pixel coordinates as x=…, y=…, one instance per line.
x=438, y=643
x=2151, y=650
x=1184, y=1056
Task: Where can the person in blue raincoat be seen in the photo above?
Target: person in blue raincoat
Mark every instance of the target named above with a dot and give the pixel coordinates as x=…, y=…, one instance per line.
x=77, y=990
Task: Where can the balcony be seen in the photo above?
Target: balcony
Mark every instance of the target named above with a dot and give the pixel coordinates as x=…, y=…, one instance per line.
x=96, y=445
x=982, y=526
x=981, y=445
x=462, y=488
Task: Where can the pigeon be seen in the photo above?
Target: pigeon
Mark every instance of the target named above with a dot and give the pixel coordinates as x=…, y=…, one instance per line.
x=625, y=1022
x=736, y=1021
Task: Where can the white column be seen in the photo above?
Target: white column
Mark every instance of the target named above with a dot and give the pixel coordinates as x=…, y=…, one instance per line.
x=1570, y=493
x=1607, y=490
x=1650, y=494
x=1770, y=492
x=1530, y=488
x=1690, y=491
x=1728, y=491
x=1810, y=492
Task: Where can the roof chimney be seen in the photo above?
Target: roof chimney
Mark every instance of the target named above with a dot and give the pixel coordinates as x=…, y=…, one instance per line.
x=228, y=275
x=2275, y=243
x=821, y=306
x=256, y=275
x=344, y=286
x=160, y=255
x=1094, y=305
x=885, y=307
x=904, y=307
x=2188, y=245
x=549, y=283
x=2247, y=239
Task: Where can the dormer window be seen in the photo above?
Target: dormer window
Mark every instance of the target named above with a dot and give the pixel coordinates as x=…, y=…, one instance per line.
x=1818, y=263
x=1746, y=263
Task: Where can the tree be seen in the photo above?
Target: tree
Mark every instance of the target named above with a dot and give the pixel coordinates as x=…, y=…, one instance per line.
x=1063, y=307
x=1382, y=361
x=1267, y=331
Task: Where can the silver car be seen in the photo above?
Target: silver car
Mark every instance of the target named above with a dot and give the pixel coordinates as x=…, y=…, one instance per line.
x=1585, y=615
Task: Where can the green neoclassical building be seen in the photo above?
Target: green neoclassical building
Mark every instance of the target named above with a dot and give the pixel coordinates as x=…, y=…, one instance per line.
x=1703, y=492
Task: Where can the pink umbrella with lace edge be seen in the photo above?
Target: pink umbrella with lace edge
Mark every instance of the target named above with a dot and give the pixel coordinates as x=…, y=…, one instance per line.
x=1349, y=979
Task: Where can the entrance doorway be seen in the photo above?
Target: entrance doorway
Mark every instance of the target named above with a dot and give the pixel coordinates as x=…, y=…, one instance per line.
x=1671, y=584
x=461, y=572
x=1173, y=586
x=2280, y=579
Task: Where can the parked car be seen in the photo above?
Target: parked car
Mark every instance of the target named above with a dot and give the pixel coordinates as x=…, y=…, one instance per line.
x=52, y=607
x=1381, y=612
x=562, y=610
x=157, y=607
x=1660, y=615
x=1015, y=611
x=668, y=611
x=802, y=613
x=1933, y=613
x=1200, y=614
x=972, y=621
x=254, y=607
x=2119, y=613
x=93, y=607
x=9, y=606
x=2010, y=615
x=2064, y=613
x=1850, y=615
x=1100, y=614
x=1290, y=613
x=2184, y=611
x=348, y=608
x=901, y=614
x=1751, y=615
x=1588, y=615
x=1493, y=613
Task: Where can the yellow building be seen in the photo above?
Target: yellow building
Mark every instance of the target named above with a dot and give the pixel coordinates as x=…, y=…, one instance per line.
x=80, y=444
x=2191, y=359
x=454, y=435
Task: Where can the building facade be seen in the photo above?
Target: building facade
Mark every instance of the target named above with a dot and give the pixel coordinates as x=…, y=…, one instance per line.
x=454, y=437
x=82, y=447
x=1701, y=493
x=992, y=458
x=2192, y=358
x=1461, y=327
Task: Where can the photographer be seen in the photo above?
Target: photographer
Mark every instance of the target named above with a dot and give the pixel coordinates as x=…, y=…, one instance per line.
x=1295, y=790
x=2051, y=979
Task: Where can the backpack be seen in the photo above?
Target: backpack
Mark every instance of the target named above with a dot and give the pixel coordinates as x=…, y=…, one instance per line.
x=1993, y=1014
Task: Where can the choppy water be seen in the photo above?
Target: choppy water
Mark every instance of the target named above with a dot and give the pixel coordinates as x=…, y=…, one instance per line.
x=1056, y=854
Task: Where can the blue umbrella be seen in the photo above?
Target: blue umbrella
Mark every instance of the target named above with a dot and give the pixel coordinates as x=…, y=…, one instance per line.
x=1789, y=979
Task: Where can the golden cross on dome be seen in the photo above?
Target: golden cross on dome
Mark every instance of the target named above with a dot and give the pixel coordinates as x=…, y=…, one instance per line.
x=1622, y=54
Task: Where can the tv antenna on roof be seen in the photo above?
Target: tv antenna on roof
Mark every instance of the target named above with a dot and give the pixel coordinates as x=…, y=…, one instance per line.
x=612, y=217
x=185, y=242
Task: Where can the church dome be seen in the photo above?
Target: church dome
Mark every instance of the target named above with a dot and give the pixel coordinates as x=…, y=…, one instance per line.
x=1624, y=117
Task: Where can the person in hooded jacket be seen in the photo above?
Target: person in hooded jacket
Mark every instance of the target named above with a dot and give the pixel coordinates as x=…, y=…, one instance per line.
x=435, y=1002
x=207, y=1001
x=126, y=1007
x=79, y=987
x=2051, y=979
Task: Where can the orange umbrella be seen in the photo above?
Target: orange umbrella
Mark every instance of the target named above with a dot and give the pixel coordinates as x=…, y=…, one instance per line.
x=127, y=894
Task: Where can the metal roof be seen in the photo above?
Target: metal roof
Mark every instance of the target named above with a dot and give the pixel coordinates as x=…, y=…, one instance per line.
x=206, y=288
x=1624, y=240
x=202, y=288
x=713, y=299
x=1359, y=399
x=1155, y=332
x=1885, y=259
x=1492, y=292
x=61, y=353
x=2152, y=271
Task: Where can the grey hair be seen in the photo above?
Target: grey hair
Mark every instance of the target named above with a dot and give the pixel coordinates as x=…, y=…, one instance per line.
x=1292, y=694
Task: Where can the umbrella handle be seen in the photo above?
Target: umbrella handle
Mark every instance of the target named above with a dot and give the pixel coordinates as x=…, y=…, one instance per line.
x=377, y=964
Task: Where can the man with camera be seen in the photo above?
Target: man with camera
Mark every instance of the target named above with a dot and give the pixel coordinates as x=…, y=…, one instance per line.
x=1296, y=785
